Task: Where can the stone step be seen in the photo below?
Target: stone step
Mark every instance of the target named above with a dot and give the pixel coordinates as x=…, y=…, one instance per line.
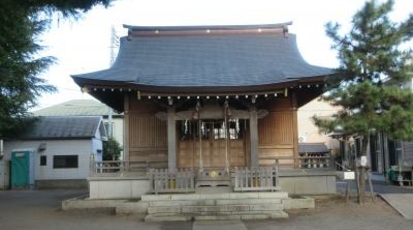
x=166, y=217
x=132, y=208
x=236, y=216
x=166, y=203
x=216, y=209
x=222, y=196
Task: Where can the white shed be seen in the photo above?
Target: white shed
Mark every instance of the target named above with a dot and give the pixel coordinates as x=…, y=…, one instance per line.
x=64, y=147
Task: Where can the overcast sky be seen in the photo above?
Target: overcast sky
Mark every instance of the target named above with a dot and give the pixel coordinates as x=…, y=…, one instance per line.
x=84, y=45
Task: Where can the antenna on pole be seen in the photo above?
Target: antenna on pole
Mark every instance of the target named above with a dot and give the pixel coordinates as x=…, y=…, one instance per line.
x=114, y=44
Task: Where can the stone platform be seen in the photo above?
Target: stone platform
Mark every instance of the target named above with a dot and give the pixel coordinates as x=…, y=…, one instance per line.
x=219, y=206
x=206, y=204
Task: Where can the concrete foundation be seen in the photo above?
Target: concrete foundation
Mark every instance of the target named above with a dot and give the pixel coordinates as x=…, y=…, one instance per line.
x=308, y=182
x=130, y=187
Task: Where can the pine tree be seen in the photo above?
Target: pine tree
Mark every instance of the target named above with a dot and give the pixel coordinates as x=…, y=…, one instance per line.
x=21, y=23
x=371, y=82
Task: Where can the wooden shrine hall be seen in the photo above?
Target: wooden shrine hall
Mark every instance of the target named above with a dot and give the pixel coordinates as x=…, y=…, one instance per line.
x=208, y=97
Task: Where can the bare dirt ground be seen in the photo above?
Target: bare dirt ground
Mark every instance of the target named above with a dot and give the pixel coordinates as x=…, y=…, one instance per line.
x=333, y=212
x=40, y=209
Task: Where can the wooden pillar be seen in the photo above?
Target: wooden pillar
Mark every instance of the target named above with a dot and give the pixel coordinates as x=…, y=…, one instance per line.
x=126, y=128
x=171, y=140
x=295, y=128
x=254, y=138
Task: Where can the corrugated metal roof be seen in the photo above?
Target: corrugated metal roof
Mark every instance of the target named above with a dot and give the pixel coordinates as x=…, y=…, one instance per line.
x=207, y=61
x=312, y=148
x=69, y=127
x=76, y=108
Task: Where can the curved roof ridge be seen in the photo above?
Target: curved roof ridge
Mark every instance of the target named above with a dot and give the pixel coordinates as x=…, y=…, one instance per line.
x=198, y=27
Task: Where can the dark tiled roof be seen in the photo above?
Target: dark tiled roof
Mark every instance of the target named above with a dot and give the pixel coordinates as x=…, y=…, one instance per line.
x=70, y=127
x=209, y=61
x=76, y=108
x=313, y=148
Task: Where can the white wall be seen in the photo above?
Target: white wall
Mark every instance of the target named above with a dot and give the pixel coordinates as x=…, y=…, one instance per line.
x=97, y=149
x=306, y=127
x=118, y=130
x=82, y=148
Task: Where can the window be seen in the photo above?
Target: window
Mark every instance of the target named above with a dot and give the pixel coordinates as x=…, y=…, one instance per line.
x=65, y=161
x=43, y=160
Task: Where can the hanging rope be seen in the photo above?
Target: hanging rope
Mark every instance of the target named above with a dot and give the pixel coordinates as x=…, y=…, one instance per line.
x=226, y=135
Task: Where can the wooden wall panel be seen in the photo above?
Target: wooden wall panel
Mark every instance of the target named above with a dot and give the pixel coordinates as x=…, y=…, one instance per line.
x=276, y=129
x=284, y=154
x=147, y=131
x=277, y=133
x=213, y=154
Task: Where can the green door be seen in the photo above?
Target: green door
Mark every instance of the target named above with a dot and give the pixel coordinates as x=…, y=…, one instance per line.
x=20, y=169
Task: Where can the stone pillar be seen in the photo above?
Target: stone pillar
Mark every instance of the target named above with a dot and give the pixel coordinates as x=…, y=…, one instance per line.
x=171, y=140
x=254, y=162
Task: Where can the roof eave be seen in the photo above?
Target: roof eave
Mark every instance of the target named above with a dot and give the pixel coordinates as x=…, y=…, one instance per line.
x=91, y=84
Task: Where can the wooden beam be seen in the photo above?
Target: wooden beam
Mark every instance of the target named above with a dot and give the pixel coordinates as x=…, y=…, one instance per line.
x=218, y=114
x=171, y=140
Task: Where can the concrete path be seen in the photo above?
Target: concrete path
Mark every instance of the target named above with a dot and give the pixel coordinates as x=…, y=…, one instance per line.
x=219, y=225
x=403, y=203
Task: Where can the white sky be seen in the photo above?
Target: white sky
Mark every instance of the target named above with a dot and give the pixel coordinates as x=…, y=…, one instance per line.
x=84, y=45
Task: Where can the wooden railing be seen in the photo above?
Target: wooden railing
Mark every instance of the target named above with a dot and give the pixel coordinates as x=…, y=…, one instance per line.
x=117, y=167
x=162, y=181
x=263, y=178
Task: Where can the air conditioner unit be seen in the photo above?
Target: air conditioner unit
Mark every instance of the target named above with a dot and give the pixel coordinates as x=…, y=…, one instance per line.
x=301, y=139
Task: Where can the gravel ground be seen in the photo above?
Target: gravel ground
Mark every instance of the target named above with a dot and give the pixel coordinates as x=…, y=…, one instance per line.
x=40, y=209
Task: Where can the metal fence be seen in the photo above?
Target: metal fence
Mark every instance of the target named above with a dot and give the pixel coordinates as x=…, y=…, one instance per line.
x=180, y=180
x=260, y=179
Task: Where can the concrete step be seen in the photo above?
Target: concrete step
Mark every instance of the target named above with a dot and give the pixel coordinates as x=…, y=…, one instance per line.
x=236, y=216
x=131, y=208
x=216, y=209
x=218, y=196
